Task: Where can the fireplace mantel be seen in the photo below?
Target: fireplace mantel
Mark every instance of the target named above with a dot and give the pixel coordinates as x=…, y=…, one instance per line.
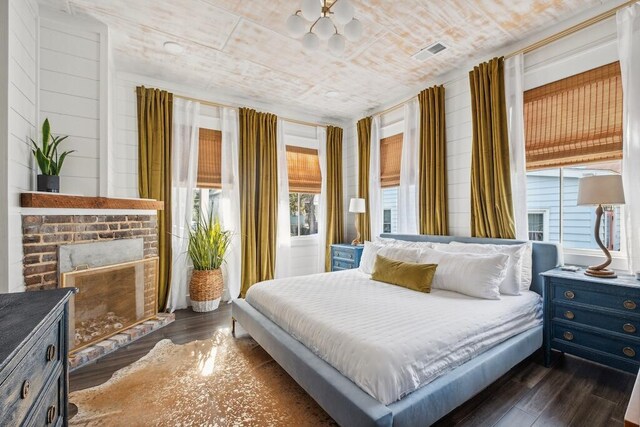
x=68, y=201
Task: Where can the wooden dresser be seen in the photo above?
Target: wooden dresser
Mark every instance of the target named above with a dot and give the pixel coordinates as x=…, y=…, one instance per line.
x=33, y=358
x=345, y=256
x=597, y=319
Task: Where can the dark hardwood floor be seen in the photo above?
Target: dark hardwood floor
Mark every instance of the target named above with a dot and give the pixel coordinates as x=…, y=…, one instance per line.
x=574, y=392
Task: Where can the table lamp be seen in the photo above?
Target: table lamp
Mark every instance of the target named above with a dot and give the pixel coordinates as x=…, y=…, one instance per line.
x=357, y=206
x=599, y=190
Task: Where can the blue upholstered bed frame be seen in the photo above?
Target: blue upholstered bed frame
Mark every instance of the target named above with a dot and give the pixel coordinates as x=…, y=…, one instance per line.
x=350, y=406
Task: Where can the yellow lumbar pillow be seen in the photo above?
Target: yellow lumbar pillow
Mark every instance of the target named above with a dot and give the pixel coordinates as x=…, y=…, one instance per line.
x=417, y=277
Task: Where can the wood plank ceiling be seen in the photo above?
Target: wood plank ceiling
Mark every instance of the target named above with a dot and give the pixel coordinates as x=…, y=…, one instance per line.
x=241, y=48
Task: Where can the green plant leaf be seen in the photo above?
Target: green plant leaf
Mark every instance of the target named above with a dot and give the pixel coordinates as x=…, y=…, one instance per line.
x=56, y=140
x=43, y=162
x=61, y=160
x=46, y=135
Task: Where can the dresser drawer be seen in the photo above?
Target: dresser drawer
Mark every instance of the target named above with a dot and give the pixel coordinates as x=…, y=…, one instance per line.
x=624, y=325
x=567, y=293
x=343, y=265
x=20, y=390
x=345, y=254
x=47, y=410
x=625, y=349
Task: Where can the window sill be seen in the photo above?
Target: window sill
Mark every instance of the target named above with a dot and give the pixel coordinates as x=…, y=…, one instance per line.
x=585, y=257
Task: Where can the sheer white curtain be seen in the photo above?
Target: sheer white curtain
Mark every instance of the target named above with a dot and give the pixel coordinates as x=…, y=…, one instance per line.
x=184, y=171
x=230, y=201
x=514, y=95
x=375, y=190
x=321, y=209
x=408, y=190
x=628, y=20
x=283, y=238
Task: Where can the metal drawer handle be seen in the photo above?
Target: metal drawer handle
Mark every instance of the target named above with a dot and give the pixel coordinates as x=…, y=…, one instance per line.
x=569, y=295
x=26, y=386
x=51, y=414
x=629, y=352
x=629, y=305
x=51, y=352
x=569, y=315
x=629, y=328
x=568, y=336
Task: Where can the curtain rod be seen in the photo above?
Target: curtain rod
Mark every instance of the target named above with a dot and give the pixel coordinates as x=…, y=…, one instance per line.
x=541, y=43
x=217, y=104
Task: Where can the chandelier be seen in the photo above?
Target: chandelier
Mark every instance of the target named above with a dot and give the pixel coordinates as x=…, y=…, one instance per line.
x=319, y=19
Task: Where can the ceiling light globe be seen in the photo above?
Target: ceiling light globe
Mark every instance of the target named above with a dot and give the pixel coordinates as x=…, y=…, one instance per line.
x=324, y=28
x=336, y=44
x=296, y=26
x=342, y=11
x=353, y=30
x=310, y=42
x=311, y=9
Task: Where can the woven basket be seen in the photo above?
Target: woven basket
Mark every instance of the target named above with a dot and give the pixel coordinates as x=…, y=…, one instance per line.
x=205, y=289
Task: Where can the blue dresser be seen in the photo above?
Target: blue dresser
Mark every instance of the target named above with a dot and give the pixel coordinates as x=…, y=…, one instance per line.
x=33, y=358
x=345, y=256
x=597, y=319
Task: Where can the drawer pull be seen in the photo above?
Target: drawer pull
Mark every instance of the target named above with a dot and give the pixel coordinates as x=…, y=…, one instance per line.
x=629, y=305
x=51, y=352
x=51, y=414
x=569, y=295
x=26, y=386
x=569, y=315
x=568, y=336
x=629, y=328
x=629, y=352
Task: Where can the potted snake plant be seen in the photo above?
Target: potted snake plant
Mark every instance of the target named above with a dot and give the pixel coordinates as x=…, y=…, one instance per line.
x=49, y=160
x=208, y=245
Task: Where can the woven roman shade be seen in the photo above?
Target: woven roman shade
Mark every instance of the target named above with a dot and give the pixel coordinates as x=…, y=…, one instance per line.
x=575, y=120
x=390, y=155
x=210, y=159
x=303, y=167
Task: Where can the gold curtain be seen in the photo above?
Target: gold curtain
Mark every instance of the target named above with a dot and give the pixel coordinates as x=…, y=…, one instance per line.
x=155, y=119
x=258, y=196
x=335, y=211
x=432, y=170
x=364, y=155
x=491, y=201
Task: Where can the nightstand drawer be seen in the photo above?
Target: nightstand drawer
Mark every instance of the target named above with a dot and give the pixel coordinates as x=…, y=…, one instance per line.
x=47, y=411
x=343, y=265
x=566, y=292
x=625, y=349
x=623, y=325
x=344, y=254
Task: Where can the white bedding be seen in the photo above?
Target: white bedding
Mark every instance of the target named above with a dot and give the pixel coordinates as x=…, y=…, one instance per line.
x=387, y=339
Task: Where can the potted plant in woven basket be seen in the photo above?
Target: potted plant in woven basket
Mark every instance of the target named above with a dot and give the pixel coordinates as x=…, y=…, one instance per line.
x=208, y=244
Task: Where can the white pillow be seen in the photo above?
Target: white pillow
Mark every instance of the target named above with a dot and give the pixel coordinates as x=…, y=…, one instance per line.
x=404, y=243
x=526, y=268
x=400, y=253
x=512, y=283
x=470, y=274
x=368, y=258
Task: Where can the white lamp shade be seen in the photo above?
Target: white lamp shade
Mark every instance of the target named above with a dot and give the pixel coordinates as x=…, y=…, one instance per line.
x=310, y=42
x=357, y=206
x=311, y=9
x=353, y=30
x=336, y=44
x=296, y=26
x=600, y=190
x=342, y=11
x=324, y=28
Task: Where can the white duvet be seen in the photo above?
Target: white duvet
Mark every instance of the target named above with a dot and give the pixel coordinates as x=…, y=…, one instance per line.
x=387, y=339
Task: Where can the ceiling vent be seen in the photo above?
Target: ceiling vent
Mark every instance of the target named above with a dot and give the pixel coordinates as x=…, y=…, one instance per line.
x=430, y=51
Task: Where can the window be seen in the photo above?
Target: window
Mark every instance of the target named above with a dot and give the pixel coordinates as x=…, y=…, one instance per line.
x=573, y=128
x=390, y=160
x=305, y=182
x=206, y=197
x=386, y=221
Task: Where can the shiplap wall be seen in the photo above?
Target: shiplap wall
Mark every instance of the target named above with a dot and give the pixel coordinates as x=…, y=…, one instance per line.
x=72, y=80
x=22, y=125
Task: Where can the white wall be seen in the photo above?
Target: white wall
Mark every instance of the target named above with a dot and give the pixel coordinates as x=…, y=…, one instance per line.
x=74, y=96
x=22, y=124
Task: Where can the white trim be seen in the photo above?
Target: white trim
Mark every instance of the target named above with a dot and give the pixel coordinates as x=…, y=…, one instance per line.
x=4, y=147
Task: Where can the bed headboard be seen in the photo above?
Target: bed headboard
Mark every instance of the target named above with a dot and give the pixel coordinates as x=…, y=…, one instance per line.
x=545, y=255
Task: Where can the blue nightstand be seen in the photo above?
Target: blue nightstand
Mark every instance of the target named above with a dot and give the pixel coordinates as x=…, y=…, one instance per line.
x=597, y=319
x=345, y=256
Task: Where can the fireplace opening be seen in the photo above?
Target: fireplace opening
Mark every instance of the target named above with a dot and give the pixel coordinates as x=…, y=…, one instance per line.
x=110, y=299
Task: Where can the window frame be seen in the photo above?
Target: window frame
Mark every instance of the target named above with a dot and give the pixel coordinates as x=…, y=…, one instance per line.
x=304, y=239
x=545, y=223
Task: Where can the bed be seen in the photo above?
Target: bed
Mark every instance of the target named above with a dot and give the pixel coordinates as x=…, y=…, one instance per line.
x=360, y=391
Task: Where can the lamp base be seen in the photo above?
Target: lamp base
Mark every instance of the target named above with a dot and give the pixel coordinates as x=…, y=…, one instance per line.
x=355, y=242
x=604, y=273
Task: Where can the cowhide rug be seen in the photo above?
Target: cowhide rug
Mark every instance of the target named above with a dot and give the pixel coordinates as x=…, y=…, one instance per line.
x=223, y=381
